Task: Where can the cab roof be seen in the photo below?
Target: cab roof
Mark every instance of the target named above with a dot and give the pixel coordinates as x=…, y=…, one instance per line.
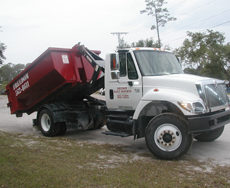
x=143, y=48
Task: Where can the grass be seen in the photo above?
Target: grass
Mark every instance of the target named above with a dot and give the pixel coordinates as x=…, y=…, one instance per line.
x=27, y=161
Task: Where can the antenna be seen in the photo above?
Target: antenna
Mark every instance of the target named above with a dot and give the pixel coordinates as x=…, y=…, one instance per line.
x=120, y=39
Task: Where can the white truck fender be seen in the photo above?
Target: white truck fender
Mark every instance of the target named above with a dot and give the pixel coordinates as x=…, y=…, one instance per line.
x=139, y=108
x=167, y=95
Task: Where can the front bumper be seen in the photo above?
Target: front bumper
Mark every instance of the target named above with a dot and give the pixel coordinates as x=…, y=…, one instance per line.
x=203, y=123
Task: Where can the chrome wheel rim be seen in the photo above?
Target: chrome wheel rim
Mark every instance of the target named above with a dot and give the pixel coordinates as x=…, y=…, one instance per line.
x=45, y=122
x=168, y=137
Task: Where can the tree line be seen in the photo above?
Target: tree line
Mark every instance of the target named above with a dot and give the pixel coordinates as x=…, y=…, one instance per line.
x=8, y=72
x=206, y=54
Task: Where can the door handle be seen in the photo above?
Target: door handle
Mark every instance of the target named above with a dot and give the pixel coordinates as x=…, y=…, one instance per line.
x=130, y=83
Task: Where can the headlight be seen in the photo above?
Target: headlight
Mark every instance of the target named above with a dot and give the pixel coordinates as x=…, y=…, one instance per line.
x=193, y=107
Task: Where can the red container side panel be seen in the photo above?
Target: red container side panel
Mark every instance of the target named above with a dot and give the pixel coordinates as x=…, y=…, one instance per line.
x=54, y=70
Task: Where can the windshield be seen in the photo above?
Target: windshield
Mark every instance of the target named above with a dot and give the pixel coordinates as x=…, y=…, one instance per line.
x=154, y=63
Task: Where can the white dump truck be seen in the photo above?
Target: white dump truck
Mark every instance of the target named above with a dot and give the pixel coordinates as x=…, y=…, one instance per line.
x=146, y=95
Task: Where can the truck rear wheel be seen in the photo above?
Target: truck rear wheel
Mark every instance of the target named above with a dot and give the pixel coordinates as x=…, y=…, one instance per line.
x=166, y=136
x=46, y=123
x=210, y=135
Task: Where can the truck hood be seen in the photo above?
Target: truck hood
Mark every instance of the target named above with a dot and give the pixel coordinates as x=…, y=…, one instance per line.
x=183, y=82
x=179, y=88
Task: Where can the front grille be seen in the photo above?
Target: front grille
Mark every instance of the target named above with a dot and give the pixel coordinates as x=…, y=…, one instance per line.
x=216, y=95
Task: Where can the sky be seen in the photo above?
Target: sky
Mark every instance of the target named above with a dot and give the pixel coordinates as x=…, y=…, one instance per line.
x=29, y=27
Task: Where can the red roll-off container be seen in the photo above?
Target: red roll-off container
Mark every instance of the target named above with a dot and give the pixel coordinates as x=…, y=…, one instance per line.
x=58, y=74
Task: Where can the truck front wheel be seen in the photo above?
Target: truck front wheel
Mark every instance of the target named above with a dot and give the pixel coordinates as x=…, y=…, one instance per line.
x=46, y=123
x=166, y=136
x=210, y=135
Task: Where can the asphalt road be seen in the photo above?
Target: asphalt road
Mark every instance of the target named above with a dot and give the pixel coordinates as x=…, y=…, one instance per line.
x=217, y=151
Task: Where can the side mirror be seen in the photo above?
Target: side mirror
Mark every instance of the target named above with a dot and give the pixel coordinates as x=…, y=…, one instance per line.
x=113, y=62
x=114, y=66
x=115, y=74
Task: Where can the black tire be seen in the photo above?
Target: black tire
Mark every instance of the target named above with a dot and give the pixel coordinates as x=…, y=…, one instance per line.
x=61, y=129
x=46, y=123
x=166, y=136
x=99, y=121
x=210, y=135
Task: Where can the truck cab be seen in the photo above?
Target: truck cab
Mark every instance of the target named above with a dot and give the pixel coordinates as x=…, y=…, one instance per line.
x=148, y=95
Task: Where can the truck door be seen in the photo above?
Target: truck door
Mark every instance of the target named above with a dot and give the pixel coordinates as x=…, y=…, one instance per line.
x=126, y=92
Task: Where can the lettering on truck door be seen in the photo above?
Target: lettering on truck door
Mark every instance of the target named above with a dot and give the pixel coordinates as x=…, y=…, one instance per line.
x=128, y=89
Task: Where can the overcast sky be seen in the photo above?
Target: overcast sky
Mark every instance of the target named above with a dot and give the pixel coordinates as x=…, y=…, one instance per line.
x=29, y=27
